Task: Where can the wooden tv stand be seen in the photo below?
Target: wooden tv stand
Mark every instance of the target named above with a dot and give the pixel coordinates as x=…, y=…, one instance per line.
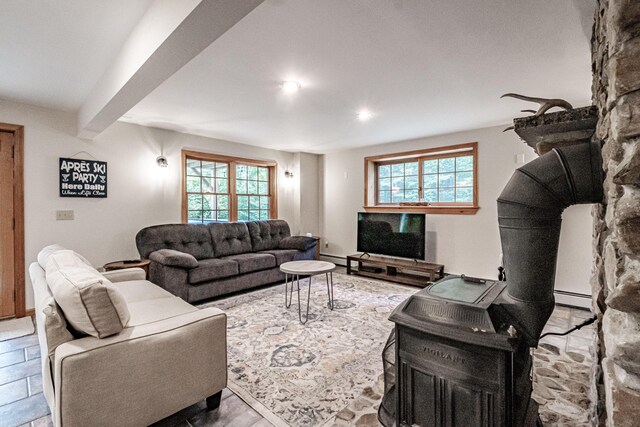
x=395, y=269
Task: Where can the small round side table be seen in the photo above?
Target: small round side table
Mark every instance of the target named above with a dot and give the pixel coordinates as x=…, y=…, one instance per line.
x=121, y=265
x=310, y=268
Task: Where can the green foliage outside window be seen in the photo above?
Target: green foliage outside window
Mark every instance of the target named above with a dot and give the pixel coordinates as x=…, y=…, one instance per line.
x=436, y=180
x=209, y=193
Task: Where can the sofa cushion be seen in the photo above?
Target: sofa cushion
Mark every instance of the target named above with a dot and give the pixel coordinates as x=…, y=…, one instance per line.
x=140, y=290
x=174, y=258
x=90, y=302
x=193, y=239
x=212, y=269
x=55, y=327
x=149, y=311
x=52, y=326
x=252, y=262
x=47, y=251
x=266, y=235
x=230, y=238
x=301, y=243
x=282, y=255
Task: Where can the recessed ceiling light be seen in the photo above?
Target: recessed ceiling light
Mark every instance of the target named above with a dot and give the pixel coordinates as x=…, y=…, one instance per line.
x=364, y=115
x=290, y=86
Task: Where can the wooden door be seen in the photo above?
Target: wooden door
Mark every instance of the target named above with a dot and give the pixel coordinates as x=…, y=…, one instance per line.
x=11, y=221
x=7, y=249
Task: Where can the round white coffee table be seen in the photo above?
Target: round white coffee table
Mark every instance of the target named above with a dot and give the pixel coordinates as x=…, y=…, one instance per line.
x=295, y=269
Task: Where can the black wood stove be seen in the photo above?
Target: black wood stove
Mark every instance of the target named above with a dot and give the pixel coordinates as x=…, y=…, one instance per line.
x=458, y=362
x=462, y=346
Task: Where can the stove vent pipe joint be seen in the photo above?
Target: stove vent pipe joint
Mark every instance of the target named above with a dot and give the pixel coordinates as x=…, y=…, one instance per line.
x=529, y=216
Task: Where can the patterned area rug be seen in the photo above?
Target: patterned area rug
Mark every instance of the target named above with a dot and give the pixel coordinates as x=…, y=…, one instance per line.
x=327, y=372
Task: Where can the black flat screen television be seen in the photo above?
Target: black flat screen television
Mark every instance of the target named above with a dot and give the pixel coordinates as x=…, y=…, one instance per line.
x=394, y=234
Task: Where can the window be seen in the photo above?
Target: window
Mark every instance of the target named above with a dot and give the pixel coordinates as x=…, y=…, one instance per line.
x=221, y=188
x=252, y=187
x=438, y=180
x=207, y=190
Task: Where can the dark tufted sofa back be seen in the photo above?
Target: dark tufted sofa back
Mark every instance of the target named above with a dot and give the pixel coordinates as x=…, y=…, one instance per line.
x=213, y=240
x=193, y=239
x=266, y=235
x=230, y=238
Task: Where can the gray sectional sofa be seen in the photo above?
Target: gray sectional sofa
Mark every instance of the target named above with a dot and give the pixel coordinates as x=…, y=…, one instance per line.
x=199, y=261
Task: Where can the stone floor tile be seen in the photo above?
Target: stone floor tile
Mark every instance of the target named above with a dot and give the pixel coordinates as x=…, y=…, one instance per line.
x=558, y=321
x=17, y=343
x=11, y=357
x=561, y=312
x=586, y=333
x=580, y=315
x=23, y=411
x=554, y=329
x=32, y=352
x=579, y=345
x=559, y=342
x=19, y=370
x=13, y=391
x=35, y=384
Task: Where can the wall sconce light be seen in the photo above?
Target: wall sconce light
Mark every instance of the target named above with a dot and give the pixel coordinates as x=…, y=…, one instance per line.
x=288, y=174
x=162, y=161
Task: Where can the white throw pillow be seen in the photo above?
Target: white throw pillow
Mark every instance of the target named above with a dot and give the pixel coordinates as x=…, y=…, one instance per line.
x=90, y=302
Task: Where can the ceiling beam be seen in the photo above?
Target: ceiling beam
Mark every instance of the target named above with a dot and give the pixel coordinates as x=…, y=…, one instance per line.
x=170, y=34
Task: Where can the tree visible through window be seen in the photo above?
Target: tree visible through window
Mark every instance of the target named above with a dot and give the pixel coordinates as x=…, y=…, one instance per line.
x=448, y=180
x=207, y=191
x=220, y=188
x=252, y=187
x=398, y=182
x=438, y=177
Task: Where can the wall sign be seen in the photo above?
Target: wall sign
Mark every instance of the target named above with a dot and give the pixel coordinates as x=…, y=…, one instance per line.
x=83, y=178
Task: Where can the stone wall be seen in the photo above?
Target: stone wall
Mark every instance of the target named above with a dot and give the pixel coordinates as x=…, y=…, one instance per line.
x=616, y=280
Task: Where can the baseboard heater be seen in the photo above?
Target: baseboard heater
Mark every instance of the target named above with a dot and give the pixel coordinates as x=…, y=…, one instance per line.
x=573, y=299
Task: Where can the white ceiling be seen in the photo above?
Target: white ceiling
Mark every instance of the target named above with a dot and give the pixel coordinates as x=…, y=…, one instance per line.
x=423, y=67
x=54, y=52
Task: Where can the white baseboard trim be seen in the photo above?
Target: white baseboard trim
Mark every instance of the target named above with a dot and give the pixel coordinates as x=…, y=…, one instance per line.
x=573, y=299
x=336, y=259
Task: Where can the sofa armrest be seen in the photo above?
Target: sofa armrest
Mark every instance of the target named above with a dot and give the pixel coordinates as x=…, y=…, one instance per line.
x=125, y=274
x=301, y=243
x=144, y=373
x=172, y=279
x=174, y=258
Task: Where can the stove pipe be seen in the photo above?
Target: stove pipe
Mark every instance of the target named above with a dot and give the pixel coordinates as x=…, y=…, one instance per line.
x=529, y=215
